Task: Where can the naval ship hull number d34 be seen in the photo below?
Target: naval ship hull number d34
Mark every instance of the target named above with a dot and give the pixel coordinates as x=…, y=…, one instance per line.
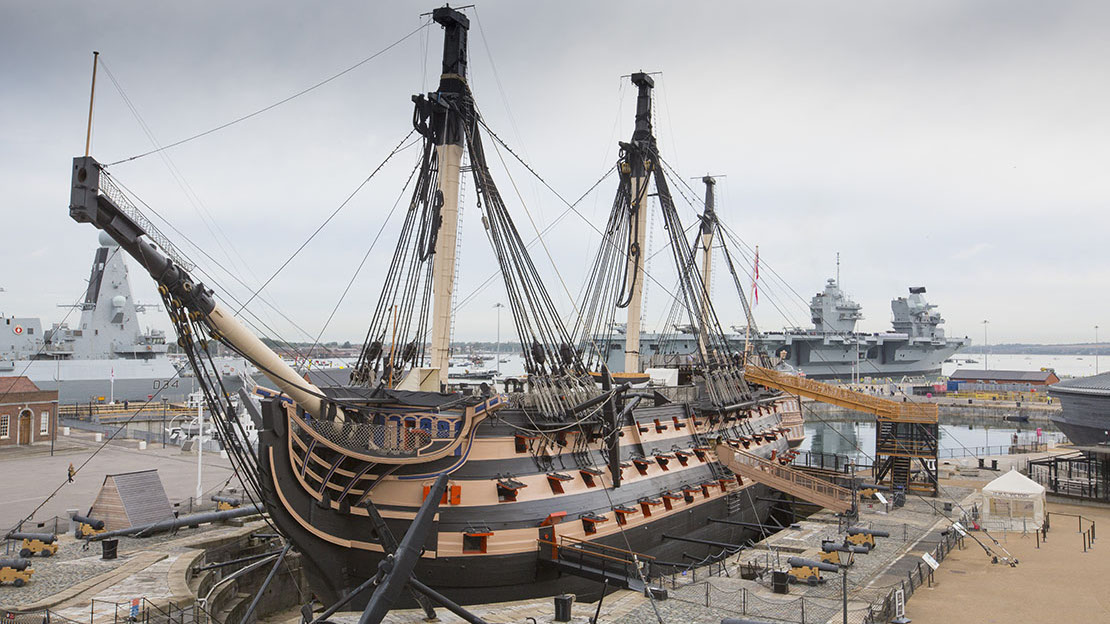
x=169, y=383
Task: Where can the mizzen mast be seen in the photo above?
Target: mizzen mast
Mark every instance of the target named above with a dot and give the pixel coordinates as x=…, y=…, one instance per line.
x=447, y=126
x=638, y=160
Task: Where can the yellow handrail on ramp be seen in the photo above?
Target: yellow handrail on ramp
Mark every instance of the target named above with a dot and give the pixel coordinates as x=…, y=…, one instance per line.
x=785, y=479
x=842, y=397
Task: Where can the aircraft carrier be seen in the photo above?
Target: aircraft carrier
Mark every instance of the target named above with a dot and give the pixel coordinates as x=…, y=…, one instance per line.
x=832, y=348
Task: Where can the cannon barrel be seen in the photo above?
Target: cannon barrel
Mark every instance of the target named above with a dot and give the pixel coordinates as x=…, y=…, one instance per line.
x=15, y=564
x=182, y=521
x=95, y=524
x=863, y=531
x=873, y=486
x=800, y=562
x=828, y=546
x=46, y=538
x=230, y=500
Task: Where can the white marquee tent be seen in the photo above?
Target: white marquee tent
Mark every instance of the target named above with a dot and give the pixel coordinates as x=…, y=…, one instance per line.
x=1014, y=501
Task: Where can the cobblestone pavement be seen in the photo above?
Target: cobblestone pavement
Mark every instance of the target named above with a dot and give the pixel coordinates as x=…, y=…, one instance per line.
x=74, y=564
x=712, y=593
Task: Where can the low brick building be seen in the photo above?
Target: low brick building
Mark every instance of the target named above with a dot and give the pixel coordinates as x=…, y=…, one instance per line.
x=27, y=414
x=1043, y=377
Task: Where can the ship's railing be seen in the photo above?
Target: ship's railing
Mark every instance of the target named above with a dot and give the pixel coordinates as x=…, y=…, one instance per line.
x=109, y=189
x=406, y=435
x=392, y=439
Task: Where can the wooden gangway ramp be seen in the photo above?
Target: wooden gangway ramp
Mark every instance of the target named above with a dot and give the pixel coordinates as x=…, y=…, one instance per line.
x=842, y=397
x=906, y=432
x=785, y=479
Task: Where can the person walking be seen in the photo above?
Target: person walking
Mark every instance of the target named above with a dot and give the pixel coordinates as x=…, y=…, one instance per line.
x=72, y=471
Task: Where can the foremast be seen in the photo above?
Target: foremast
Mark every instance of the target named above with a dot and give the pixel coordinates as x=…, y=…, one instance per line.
x=448, y=135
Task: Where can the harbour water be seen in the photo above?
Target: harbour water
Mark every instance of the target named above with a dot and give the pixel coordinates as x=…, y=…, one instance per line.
x=1064, y=365
x=855, y=437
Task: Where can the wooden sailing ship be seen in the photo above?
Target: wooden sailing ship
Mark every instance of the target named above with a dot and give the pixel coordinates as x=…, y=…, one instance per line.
x=549, y=489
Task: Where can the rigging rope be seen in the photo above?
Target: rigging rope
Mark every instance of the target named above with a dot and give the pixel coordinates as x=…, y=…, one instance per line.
x=275, y=104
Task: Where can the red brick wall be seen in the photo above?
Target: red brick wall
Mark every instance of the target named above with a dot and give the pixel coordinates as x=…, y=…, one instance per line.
x=37, y=403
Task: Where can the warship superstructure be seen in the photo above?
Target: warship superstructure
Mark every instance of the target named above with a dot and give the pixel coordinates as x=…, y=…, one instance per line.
x=106, y=355
x=832, y=349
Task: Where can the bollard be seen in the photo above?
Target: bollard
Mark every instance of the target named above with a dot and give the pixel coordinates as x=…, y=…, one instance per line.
x=563, y=605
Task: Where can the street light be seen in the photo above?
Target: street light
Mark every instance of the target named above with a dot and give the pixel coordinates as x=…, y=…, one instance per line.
x=986, y=348
x=844, y=558
x=165, y=403
x=498, y=306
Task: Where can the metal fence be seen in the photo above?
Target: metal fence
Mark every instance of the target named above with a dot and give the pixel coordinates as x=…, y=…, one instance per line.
x=137, y=611
x=699, y=584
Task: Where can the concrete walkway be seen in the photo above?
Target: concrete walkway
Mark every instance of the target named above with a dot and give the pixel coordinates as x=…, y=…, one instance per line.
x=40, y=474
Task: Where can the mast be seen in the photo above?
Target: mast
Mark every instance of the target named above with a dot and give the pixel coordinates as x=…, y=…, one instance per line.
x=642, y=139
x=708, y=228
x=448, y=128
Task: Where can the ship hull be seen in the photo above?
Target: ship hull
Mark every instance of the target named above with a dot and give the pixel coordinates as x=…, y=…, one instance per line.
x=340, y=553
x=1084, y=415
x=818, y=356
x=99, y=381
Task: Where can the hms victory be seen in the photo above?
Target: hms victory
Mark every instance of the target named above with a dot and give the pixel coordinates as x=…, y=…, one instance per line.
x=401, y=482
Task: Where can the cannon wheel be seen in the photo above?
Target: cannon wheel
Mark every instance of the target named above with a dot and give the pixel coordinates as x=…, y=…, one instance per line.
x=48, y=553
x=18, y=582
x=791, y=579
x=812, y=581
x=25, y=553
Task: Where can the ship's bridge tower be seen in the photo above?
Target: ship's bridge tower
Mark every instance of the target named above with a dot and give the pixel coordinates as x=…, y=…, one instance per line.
x=833, y=312
x=914, y=316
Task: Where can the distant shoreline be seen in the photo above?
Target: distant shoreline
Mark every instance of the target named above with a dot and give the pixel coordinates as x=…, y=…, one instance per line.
x=1039, y=349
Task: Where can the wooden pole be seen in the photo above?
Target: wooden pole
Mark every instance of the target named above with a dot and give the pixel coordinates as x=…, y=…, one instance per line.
x=92, y=94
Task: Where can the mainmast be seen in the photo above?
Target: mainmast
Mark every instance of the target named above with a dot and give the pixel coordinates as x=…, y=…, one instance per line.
x=708, y=228
x=638, y=159
x=447, y=125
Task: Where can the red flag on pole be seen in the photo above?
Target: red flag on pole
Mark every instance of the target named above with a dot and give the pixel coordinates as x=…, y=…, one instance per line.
x=755, y=279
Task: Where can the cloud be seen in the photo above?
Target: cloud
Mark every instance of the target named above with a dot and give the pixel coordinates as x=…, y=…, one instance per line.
x=911, y=138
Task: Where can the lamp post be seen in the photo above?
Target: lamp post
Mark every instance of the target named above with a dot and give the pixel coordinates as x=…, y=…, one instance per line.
x=498, y=306
x=986, y=348
x=844, y=558
x=1096, y=349
x=165, y=404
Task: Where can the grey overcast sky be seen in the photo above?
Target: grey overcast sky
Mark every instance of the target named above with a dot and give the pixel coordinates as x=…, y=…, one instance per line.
x=962, y=146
